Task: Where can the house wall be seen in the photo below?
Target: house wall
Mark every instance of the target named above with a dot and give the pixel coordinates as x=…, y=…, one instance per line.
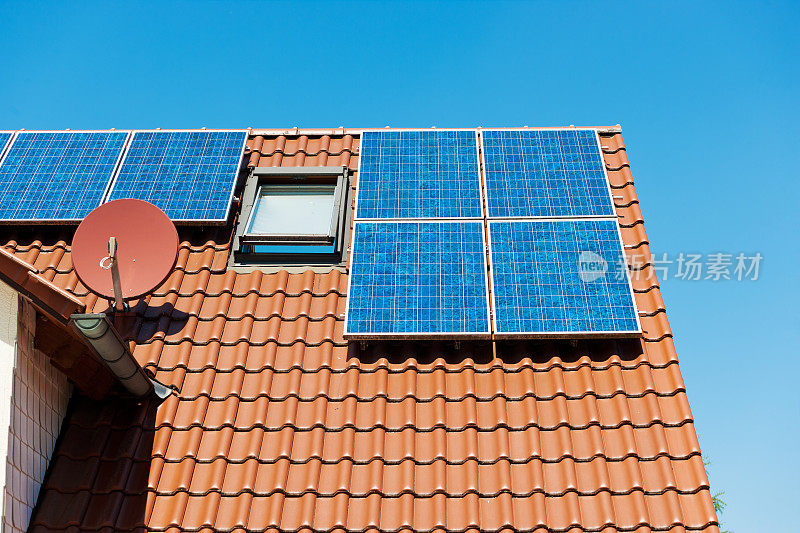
x=33, y=402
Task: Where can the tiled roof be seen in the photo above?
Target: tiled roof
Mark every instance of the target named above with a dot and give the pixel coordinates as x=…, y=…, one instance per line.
x=278, y=424
x=53, y=300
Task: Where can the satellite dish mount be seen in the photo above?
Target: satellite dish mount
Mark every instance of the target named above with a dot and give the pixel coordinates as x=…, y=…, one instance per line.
x=110, y=263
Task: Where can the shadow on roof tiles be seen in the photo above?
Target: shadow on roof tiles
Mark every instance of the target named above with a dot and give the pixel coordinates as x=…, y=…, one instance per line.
x=568, y=351
x=508, y=351
x=423, y=352
x=124, y=448
x=142, y=322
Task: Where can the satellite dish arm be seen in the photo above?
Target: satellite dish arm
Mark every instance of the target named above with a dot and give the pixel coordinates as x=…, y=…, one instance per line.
x=119, y=303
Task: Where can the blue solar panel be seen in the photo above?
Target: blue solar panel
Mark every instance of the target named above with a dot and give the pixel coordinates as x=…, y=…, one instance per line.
x=566, y=276
x=545, y=173
x=418, y=278
x=5, y=136
x=57, y=175
x=190, y=175
x=419, y=174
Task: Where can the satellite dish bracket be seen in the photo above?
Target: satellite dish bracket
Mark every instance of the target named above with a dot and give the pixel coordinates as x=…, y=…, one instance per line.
x=110, y=263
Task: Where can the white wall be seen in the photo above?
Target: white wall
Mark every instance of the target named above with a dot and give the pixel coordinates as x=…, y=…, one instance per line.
x=33, y=402
x=9, y=305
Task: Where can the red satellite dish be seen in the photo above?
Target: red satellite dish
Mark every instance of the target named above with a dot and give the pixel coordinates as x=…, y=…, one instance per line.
x=145, y=242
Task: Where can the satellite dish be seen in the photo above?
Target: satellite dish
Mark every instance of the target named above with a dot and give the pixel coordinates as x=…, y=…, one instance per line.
x=124, y=249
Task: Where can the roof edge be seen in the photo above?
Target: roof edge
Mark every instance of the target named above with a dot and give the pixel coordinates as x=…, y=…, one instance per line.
x=617, y=128
x=55, y=302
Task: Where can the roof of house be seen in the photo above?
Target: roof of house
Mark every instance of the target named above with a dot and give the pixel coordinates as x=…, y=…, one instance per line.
x=56, y=302
x=277, y=423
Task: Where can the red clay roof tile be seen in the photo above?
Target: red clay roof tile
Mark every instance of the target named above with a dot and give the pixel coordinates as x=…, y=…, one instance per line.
x=278, y=423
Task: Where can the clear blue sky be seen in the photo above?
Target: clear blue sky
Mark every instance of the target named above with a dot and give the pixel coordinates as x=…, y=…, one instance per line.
x=707, y=95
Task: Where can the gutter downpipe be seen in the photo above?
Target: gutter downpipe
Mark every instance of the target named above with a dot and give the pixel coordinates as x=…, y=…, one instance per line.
x=97, y=331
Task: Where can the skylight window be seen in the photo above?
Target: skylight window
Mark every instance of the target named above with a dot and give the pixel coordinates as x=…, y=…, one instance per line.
x=292, y=216
x=293, y=209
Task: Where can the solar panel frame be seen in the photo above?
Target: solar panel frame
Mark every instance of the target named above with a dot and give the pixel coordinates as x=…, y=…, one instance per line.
x=17, y=134
x=115, y=181
x=498, y=334
x=418, y=335
x=478, y=175
x=487, y=192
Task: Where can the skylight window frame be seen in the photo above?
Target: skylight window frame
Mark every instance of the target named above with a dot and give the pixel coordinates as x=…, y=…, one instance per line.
x=337, y=235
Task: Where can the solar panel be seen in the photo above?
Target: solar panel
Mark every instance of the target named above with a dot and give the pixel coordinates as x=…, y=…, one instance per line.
x=418, y=279
x=419, y=174
x=5, y=136
x=190, y=175
x=58, y=176
x=545, y=173
x=560, y=277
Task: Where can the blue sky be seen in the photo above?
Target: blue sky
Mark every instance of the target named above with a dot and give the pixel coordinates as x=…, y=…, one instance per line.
x=707, y=94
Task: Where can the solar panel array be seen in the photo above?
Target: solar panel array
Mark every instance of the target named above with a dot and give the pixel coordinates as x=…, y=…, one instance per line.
x=413, y=278
x=555, y=277
x=190, y=175
x=545, y=173
x=62, y=176
x=58, y=176
x=557, y=264
x=419, y=264
x=419, y=174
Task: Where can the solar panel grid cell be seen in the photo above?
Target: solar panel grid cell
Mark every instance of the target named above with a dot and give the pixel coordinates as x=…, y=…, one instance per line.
x=190, y=175
x=57, y=175
x=555, y=277
x=418, y=278
x=419, y=174
x=545, y=173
